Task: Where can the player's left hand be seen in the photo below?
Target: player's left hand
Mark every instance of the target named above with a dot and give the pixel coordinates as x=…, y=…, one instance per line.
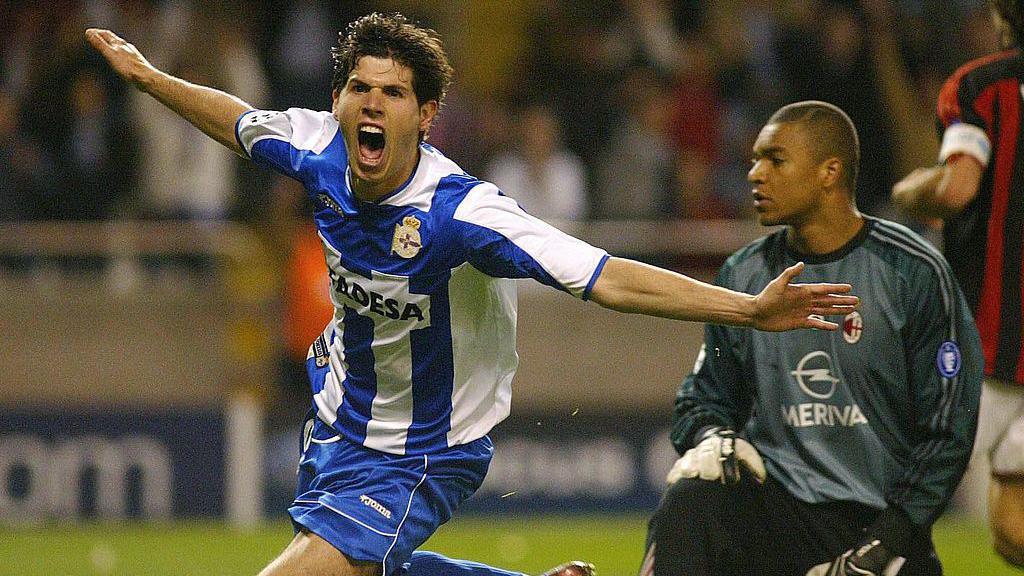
x=785, y=306
x=869, y=559
x=879, y=552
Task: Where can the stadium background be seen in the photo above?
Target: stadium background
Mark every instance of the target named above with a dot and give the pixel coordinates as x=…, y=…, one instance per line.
x=157, y=294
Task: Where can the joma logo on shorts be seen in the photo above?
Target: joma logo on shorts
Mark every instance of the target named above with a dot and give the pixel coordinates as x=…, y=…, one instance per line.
x=375, y=505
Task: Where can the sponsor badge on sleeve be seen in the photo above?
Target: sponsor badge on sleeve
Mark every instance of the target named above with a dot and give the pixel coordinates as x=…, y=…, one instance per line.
x=949, y=359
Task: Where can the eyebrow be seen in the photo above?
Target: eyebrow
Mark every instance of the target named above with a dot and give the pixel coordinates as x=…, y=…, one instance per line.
x=768, y=151
x=353, y=78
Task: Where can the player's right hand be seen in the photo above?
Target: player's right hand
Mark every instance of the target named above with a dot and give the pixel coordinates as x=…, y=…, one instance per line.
x=718, y=458
x=122, y=56
x=785, y=306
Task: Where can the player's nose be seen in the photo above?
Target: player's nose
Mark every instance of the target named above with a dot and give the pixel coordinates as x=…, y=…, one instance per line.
x=373, y=102
x=756, y=173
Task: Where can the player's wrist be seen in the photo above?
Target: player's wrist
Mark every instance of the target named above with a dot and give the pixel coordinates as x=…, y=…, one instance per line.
x=147, y=79
x=751, y=310
x=894, y=529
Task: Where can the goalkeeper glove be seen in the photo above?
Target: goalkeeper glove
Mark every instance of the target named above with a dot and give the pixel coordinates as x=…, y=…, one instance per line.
x=718, y=456
x=878, y=554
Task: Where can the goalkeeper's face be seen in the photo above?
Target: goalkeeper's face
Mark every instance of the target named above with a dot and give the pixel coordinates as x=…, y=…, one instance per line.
x=381, y=122
x=786, y=176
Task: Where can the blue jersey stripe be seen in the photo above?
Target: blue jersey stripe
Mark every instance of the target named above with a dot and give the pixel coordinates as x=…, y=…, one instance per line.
x=433, y=373
x=500, y=257
x=361, y=381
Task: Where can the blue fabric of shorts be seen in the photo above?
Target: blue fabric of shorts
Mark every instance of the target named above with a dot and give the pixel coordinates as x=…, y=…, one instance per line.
x=379, y=507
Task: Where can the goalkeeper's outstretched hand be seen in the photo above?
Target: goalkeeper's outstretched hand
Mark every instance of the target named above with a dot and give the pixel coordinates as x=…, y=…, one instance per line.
x=718, y=457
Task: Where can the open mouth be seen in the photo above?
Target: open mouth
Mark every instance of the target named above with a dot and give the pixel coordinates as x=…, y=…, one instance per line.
x=371, y=144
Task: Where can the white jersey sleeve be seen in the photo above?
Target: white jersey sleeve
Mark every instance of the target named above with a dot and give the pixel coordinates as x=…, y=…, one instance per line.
x=282, y=140
x=502, y=240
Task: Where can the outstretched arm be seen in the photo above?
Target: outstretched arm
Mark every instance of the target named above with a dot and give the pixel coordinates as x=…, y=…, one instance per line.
x=630, y=286
x=212, y=111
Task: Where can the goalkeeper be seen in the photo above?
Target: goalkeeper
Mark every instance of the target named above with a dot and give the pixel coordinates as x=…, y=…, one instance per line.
x=822, y=453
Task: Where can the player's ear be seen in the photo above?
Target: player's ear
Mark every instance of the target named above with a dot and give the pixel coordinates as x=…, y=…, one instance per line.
x=335, y=94
x=830, y=171
x=428, y=110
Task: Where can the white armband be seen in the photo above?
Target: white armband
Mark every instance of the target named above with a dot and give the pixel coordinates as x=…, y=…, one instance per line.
x=961, y=138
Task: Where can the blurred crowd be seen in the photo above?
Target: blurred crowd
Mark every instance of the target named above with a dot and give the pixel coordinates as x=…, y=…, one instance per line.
x=580, y=109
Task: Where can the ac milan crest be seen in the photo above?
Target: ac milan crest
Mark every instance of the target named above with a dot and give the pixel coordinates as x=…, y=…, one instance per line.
x=853, y=325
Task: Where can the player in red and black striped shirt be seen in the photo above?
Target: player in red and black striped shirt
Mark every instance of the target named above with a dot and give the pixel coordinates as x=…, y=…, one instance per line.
x=978, y=190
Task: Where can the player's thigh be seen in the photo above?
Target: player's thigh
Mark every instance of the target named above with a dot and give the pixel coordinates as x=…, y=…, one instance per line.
x=1001, y=427
x=749, y=528
x=308, y=553
x=1006, y=511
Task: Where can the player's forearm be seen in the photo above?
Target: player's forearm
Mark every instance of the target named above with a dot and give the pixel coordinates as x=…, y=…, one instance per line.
x=210, y=110
x=923, y=193
x=634, y=287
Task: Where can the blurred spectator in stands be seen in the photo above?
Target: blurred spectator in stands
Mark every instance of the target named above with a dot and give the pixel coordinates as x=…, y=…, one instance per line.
x=636, y=175
x=694, y=128
x=547, y=179
x=574, y=63
x=470, y=131
x=648, y=31
x=305, y=290
x=27, y=170
x=824, y=55
x=71, y=124
x=184, y=174
x=96, y=153
x=301, y=32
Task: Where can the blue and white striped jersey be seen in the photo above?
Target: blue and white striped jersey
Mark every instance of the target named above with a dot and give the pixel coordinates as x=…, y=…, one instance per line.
x=421, y=349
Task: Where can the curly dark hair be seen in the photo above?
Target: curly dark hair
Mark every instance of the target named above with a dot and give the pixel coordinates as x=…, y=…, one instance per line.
x=394, y=36
x=1010, y=11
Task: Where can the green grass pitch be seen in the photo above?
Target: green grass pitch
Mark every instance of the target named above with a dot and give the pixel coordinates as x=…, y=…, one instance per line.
x=527, y=544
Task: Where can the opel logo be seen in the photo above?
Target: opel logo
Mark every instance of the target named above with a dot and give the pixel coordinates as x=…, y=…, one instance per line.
x=814, y=375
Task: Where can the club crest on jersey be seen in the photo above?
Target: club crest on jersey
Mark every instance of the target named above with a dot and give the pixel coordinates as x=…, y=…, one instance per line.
x=406, y=242
x=853, y=326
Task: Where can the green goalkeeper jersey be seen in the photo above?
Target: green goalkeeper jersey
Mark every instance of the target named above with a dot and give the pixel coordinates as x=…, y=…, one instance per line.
x=882, y=411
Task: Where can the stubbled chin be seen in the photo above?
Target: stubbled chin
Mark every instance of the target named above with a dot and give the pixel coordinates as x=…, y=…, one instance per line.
x=369, y=170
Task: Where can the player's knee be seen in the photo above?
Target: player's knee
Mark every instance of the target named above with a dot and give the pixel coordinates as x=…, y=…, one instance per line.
x=1012, y=552
x=692, y=498
x=310, y=554
x=1006, y=516
x=1008, y=538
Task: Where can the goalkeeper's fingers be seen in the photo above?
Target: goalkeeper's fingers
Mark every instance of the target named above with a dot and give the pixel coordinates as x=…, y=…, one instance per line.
x=751, y=460
x=699, y=462
x=684, y=467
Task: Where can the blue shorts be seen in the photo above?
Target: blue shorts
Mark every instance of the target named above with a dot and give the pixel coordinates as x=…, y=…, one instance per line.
x=379, y=507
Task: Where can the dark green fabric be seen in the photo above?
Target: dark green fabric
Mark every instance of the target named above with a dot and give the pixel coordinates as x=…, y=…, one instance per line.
x=863, y=417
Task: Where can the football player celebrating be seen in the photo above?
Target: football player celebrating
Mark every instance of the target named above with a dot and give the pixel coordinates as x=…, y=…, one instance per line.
x=416, y=366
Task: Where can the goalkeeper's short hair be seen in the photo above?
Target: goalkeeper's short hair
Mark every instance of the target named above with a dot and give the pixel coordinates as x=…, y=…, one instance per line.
x=834, y=134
